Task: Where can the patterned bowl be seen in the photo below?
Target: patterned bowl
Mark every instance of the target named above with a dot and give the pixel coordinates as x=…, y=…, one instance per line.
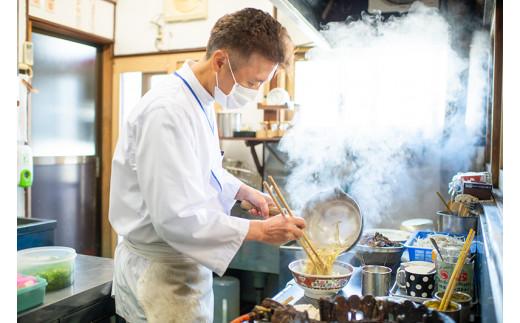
x=317, y=286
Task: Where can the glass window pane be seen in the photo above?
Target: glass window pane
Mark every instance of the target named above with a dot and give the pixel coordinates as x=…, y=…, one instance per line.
x=64, y=110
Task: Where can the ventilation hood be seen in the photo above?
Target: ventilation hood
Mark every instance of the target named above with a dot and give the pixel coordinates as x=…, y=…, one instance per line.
x=304, y=13
x=309, y=16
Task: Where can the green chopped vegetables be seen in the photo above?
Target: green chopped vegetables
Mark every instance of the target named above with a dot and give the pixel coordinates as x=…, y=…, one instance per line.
x=57, y=277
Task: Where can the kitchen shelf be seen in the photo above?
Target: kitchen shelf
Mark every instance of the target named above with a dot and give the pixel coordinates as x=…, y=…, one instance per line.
x=252, y=142
x=251, y=139
x=272, y=107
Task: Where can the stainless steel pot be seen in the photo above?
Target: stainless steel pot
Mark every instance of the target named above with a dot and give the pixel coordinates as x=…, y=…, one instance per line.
x=228, y=122
x=380, y=256
x=447, y=222
x=331, y=207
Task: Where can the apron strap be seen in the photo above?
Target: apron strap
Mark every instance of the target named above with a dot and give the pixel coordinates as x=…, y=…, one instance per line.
x=159, y=252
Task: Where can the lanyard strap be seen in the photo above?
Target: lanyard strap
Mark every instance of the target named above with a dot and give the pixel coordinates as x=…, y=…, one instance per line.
x=197, y=99
x=207, y=118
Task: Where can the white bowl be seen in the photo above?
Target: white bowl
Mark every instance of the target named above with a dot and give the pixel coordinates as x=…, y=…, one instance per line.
x=317, y=286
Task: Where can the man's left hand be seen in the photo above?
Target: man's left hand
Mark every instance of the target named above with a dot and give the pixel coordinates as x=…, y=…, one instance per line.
x=259, y=200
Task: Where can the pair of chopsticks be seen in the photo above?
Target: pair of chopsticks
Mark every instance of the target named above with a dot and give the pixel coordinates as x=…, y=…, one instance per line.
x=463, y=210
x=448, y=293
x=445, y=203
x=304, y=241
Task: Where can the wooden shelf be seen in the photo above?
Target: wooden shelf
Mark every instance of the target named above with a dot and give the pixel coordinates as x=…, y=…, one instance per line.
x=250, y=138
x=272, y=107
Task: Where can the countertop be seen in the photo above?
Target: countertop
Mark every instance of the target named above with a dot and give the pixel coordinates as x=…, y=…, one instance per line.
x=92, y=284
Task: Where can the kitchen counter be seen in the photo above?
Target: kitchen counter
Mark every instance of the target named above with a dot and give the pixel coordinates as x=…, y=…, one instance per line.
x=88, y=299
x=489, y=268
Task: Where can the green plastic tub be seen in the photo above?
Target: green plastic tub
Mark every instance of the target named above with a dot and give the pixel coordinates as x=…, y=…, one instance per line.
x=32, y=296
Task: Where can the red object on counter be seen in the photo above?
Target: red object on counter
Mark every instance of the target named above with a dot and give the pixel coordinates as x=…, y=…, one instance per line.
x=23, y=281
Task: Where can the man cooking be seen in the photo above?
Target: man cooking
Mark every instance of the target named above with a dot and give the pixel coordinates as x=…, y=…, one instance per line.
x=170, y=198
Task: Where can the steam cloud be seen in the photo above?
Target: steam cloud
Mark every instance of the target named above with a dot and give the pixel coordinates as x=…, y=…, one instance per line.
x=379, y=115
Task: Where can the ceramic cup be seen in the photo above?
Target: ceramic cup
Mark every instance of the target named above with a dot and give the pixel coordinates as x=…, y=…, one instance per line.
x=418, y=278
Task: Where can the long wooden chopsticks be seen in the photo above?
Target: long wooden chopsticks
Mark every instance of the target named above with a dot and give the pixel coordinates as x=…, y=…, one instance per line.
x=306, y=248
x=304, y=241
x=448, y=293
x=444, y=202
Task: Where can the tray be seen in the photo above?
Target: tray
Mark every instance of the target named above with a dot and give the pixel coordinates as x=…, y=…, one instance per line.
x=396, y=291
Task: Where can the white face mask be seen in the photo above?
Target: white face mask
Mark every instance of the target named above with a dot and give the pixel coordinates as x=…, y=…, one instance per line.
x=238, y=97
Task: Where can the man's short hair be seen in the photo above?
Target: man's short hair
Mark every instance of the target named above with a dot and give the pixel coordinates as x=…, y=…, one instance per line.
x=249, y=31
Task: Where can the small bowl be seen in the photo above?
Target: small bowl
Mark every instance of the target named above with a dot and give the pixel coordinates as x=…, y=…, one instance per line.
x=453, y=310
x=317, y=286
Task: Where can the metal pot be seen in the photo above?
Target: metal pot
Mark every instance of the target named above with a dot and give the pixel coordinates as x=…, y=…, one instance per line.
x=464, y=300
x=228, y=122
x=447, y=222
x=380, y=256
x=335, y=205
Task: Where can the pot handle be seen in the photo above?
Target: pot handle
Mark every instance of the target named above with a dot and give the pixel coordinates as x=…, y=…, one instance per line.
x=400, y=278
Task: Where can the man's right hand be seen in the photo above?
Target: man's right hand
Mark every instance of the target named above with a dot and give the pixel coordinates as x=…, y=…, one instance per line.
x=277, y=229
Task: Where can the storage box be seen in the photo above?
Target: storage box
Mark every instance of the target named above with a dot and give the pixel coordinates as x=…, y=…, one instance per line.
x=32, y=232
x=480, y=190
x=31, y=296
x=425, y=254
x=54, y=264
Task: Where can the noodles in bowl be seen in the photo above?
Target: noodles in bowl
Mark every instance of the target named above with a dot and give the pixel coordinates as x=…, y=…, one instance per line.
x=316, y=286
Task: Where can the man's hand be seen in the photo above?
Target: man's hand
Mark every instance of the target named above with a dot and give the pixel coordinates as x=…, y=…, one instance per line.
x=259, y=200
x=276, y=230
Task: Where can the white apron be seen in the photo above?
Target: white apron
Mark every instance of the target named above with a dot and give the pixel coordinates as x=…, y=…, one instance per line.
x=168, y=287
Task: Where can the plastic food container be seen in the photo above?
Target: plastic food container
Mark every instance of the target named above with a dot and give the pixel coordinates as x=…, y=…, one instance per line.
x=425, y=254
x=54, y=264
x=31, y=296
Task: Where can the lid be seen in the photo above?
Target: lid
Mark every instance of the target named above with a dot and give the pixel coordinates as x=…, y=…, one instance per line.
x=45, y=255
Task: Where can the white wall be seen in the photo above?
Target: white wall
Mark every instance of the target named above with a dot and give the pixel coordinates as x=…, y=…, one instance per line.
x=22, y=27
x=91, y=16
x=136, y=34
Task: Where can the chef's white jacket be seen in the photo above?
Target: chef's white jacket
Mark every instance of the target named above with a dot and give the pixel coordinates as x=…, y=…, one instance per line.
x=168, y=186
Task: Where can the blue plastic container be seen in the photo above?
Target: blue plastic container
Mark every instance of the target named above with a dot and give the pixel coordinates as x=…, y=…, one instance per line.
x=34, y=232
x=425, y=254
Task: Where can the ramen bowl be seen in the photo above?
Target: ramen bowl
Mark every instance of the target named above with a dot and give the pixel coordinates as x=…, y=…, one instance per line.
x=317, y=286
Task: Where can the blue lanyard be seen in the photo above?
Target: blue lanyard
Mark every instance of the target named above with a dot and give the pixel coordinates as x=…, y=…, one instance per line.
x=207, y=118
x=198, y=101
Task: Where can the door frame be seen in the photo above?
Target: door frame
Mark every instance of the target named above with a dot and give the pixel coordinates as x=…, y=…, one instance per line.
x=103, y=114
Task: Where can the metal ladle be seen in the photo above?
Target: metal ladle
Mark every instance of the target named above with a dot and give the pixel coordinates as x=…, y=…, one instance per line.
x=436, y=246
